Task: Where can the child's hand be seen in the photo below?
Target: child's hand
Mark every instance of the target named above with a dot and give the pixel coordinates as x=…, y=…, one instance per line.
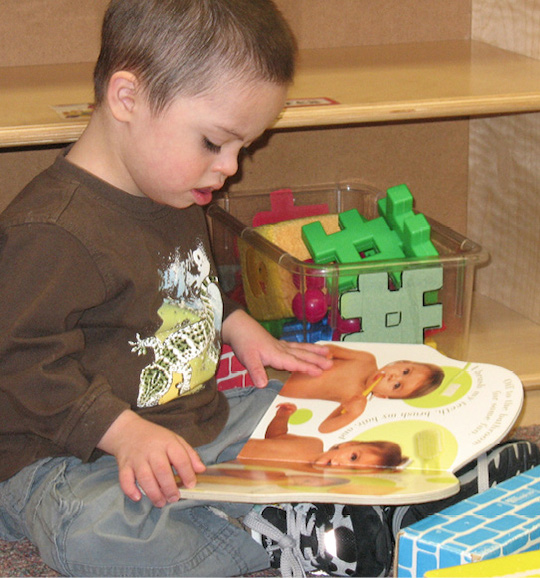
x=286, y=409
x=256, y=348
x=146, y=454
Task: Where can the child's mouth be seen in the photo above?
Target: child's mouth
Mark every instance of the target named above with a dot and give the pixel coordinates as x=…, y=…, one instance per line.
x=202, y=196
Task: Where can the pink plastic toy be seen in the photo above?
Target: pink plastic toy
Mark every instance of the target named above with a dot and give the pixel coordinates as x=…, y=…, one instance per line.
x=316, y=305
x=284, y=209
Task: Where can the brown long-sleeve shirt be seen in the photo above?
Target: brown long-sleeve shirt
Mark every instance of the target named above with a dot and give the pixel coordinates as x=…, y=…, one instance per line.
x=107, y=301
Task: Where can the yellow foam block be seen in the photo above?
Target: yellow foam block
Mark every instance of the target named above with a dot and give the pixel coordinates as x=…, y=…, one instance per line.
x=268, y=287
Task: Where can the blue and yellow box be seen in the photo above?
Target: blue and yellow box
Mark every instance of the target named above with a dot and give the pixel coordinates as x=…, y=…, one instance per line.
x=501, y=521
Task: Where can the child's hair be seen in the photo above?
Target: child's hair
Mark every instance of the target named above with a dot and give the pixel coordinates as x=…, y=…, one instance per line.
x=187, y=47
x=432, y=383
x=389, y=452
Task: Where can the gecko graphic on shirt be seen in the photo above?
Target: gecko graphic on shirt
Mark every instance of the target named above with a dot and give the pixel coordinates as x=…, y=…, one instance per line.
x=187, y=345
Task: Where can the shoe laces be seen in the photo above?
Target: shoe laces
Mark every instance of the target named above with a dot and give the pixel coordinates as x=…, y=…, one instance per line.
x=301, y=522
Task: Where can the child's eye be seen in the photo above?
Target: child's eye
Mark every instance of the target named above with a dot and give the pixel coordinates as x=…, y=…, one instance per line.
x=396, y=385
x=354, y=457
x=406, y=371
x=210, y=146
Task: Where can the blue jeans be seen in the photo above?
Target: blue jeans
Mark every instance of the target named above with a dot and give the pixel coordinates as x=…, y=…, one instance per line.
x=83, y=524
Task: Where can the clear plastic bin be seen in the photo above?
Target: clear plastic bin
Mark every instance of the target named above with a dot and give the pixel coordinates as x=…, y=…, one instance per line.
x=405, y=300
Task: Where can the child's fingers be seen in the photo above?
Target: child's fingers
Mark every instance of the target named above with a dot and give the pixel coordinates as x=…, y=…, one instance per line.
x=286, y=408
x=316, y=348
x=303, y=357
x=149, y=484
x=126, y=477
x=187, y=463
x=257, y=372
x=196, y=461
x=310, y=352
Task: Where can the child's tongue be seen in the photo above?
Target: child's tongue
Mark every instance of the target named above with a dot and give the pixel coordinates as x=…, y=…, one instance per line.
x=202, y=196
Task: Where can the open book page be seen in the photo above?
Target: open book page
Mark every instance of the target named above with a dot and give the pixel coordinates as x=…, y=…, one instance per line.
x=388, y=424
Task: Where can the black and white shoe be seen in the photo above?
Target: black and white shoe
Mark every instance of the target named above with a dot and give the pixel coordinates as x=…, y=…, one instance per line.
x=504, y=461
x=333, y=539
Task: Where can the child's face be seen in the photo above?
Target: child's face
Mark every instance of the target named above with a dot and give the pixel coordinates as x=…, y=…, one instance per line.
x=401, y=379
x=350, y=455
x=181, y=156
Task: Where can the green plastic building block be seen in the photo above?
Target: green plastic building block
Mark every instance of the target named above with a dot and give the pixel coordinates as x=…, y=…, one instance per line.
x=374, y=238
x=398, y=316
x=413, y=228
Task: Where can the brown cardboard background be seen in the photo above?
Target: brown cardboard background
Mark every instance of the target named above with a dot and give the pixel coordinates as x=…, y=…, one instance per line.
x=49, y=31
x=55, y=31
x=323, y=23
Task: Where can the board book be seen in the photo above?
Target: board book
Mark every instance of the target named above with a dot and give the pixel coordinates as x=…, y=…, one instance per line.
x=387, y=424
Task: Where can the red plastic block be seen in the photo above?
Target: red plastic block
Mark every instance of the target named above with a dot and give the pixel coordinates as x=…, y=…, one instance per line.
x=284, y=209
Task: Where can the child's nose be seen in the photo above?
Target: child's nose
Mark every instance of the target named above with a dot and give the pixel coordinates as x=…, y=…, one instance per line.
x=227, y=165
x=392, y=376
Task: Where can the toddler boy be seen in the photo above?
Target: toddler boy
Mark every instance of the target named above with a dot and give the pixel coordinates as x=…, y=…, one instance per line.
x=111, y=316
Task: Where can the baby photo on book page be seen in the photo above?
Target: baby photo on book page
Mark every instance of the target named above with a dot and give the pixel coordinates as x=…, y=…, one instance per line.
x=387, y=424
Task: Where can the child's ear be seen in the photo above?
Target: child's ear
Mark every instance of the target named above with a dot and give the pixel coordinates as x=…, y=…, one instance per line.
x=122, y=94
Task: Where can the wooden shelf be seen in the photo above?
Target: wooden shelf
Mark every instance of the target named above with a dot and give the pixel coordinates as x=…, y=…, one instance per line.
x=412, y=81
x=369, y=84
x=503, y=337
x=28, y=95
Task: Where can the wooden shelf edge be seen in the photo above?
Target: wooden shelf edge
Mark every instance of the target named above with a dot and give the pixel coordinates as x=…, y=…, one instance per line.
x=420, y=110
x=18, y=136
x=31, y=135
